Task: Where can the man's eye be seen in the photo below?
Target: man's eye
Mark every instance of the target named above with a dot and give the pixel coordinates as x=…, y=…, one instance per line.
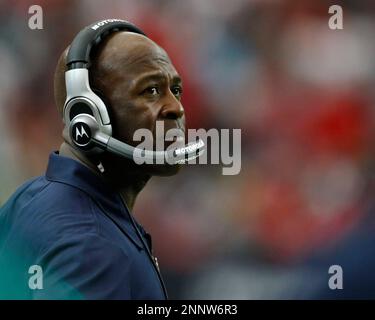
x=177, y=91
x=153, y=91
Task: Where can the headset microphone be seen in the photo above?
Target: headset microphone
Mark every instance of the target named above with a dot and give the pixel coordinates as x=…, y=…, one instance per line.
x=86, y=116
x=86, y=135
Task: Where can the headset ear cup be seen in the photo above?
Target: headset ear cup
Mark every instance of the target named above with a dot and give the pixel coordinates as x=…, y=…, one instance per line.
x=84, y=123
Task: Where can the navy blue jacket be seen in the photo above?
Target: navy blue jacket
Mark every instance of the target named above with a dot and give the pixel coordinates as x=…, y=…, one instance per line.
x=77, y=229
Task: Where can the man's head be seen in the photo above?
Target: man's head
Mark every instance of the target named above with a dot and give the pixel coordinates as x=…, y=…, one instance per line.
x=139, y=85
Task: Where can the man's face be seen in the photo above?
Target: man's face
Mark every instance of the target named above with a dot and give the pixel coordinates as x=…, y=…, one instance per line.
x=140, y=86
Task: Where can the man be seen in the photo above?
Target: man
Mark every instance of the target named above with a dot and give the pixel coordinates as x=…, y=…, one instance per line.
x=69, y=234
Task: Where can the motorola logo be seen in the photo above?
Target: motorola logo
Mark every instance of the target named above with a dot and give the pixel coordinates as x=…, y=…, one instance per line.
x=81, y=133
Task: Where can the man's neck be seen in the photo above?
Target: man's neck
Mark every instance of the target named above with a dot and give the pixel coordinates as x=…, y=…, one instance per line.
x=129, y=191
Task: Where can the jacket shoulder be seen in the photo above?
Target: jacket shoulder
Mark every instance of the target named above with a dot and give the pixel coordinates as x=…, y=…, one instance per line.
x=41, y=212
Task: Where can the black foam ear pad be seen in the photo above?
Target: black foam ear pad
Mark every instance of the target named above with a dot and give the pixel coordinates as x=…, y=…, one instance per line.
x=79, y=108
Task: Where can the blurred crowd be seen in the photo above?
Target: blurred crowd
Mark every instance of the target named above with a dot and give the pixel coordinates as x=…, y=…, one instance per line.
x=301, y=93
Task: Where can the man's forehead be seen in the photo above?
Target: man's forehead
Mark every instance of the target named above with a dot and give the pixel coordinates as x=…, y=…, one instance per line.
x=148, y=65
x=131, y=52
x=145, y=61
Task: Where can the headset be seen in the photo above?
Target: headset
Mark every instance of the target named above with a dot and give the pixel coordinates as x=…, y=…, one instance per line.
x=87, y=122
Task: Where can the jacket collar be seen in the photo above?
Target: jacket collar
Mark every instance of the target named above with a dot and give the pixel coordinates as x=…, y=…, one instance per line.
x=71, y=172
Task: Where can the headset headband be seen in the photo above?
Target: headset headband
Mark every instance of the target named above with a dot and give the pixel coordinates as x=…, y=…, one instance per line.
x=79, y=51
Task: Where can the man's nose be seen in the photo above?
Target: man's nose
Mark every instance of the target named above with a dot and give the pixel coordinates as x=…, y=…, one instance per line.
x=172, y=109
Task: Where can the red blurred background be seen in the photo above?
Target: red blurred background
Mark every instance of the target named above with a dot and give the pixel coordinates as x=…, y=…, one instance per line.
x=301, y=93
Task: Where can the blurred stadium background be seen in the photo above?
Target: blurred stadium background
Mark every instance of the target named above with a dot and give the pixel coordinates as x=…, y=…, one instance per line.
x=302, y=94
